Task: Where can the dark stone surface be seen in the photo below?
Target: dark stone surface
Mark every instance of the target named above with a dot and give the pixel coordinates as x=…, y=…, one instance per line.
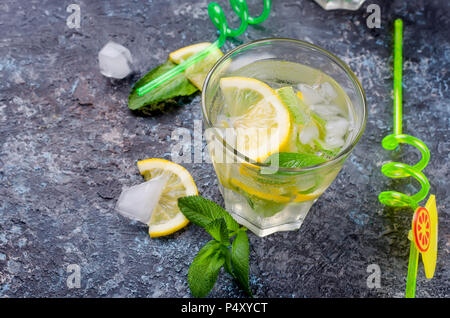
x=69, y=143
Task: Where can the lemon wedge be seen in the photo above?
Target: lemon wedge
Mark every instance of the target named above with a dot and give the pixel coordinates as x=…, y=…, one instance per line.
x=259, y=117
x=197, y=72
x=166, y=218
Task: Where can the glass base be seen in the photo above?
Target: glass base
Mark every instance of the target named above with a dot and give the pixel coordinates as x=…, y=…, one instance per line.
x=264, y=232
x=288, y=217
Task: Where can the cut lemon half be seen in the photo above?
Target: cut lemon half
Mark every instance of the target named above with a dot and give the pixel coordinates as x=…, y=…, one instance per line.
x=197, y=72
x=259, y=117
x=166, y=217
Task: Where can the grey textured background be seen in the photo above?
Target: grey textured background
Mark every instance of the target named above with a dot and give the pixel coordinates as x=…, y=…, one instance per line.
x=69, y=144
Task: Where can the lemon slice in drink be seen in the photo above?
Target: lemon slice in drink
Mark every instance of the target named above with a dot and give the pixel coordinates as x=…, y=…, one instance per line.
x=259, y=117
x=266, y=194
x=197, y=72
x=166, y=217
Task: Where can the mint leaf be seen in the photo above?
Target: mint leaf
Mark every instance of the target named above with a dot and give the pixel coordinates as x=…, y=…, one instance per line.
x=239, y=260
x=297, y=109
x=330, y=153
x=179, y=85
x=320, y=123
x=203, y=272
x=305, y=148
x=218, y=230
x=294, y=160
x=202, y=211
x=227, y=265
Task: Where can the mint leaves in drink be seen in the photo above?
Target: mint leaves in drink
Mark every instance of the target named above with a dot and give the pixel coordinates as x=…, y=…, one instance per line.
x=229, y=247
x=294, y=160
x=297, y=109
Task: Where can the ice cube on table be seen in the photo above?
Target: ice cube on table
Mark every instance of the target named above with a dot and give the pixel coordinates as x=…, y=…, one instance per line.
x=137, y=202
x=115, y=60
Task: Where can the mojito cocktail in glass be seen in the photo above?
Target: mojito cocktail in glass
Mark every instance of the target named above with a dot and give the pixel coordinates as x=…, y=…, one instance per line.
x=281, y=117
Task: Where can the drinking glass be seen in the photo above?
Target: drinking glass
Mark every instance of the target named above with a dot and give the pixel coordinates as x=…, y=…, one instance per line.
x=264, y=200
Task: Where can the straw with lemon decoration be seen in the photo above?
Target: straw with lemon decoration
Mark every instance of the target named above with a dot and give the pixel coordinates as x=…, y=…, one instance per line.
x=424, y=232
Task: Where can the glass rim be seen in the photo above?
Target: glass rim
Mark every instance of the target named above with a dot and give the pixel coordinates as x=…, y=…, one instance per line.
x=307, y=45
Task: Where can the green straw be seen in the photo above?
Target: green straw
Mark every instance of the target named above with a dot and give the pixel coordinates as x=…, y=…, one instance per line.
x=391, y=142
x=398, y=65
x=176, y=70
x=398, y=47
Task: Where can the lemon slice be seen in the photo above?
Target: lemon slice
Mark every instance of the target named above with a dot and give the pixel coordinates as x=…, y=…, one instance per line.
x=259, y=192
x=166, y=217
x=197, y=72
x=181, y=55
x=260, y=119
x=270, y=187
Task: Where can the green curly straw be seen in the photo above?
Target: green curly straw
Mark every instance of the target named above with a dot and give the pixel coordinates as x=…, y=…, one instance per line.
x=401, y=170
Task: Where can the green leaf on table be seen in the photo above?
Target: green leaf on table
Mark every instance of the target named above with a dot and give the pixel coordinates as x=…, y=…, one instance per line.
x=178, y=85
x=227, y=265
x=218, y=230
x=202, y=212
x=203, y=272
x=294, y=160
x=240, y=260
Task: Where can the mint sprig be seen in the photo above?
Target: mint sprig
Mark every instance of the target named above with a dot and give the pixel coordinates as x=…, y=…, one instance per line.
x=219, y=252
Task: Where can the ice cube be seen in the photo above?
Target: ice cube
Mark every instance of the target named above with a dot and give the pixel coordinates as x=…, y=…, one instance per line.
x=115, y=60
x=334, y=141
x=327, y=91
x=308, y=133
x=310, y=95
x=325, y=110
x=137, y=202
x=337, y=126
